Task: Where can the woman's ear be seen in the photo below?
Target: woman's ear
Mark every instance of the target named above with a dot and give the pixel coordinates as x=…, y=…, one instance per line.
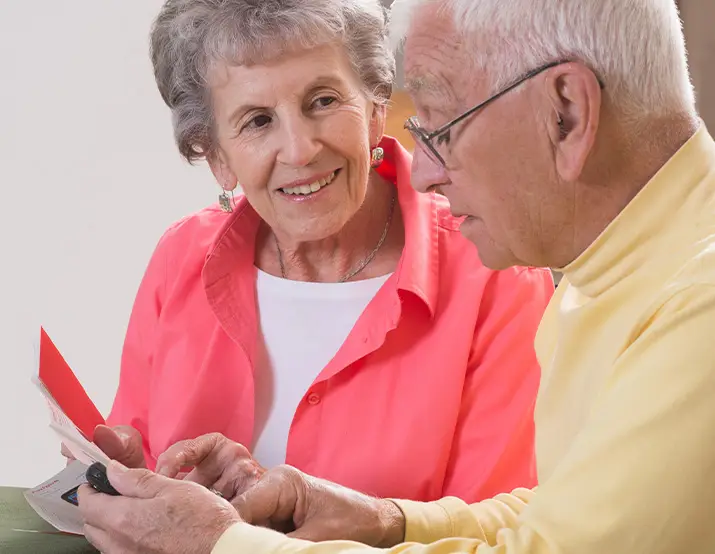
x=222, y=172
x=378, y=120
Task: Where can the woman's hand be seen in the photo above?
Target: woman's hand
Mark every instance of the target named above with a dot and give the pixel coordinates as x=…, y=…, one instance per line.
x=217, y=463
x=122, y=443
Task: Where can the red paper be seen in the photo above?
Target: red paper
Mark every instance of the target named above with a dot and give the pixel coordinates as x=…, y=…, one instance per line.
x=62, y=384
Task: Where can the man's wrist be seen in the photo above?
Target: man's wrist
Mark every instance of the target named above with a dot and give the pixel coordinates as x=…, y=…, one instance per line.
x=393, y=524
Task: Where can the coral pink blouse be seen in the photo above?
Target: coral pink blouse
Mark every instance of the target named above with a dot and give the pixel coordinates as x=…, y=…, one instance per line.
x=431, y=394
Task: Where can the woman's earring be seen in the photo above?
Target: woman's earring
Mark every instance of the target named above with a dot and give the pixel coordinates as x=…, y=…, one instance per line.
x=225, y=202
x=378, y=154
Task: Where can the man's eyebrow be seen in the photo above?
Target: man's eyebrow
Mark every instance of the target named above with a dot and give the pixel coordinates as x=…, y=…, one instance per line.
x=423, y=84
x=432, y=90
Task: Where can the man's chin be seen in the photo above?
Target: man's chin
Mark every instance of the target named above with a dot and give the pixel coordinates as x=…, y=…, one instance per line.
x=490, y=254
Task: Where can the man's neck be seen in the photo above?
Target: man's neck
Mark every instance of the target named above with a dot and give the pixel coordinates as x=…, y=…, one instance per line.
x=630, y=163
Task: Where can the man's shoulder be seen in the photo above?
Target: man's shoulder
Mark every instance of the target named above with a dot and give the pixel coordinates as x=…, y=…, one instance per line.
x=682, y=291
x=696, y=268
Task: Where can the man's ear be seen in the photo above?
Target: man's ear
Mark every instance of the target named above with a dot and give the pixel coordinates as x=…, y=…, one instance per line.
x=378, y=120
x=222, y=172
x=575, y=94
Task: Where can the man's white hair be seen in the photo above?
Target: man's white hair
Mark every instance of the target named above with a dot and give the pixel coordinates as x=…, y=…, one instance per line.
x=636, y=47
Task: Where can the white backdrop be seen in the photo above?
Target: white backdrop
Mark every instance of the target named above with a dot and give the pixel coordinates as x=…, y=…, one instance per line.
x=89, y=179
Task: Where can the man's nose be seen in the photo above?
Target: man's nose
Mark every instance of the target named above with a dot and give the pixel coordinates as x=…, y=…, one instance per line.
x=427, y=174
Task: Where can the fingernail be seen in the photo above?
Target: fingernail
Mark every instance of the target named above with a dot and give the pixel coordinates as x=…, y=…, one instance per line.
x=164, y=471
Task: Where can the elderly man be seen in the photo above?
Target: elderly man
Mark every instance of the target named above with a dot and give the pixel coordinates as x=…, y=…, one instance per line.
x=566, y=133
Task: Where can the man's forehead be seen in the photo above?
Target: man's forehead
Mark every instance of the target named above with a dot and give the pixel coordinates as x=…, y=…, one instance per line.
x=430, y=79
x=434, y=60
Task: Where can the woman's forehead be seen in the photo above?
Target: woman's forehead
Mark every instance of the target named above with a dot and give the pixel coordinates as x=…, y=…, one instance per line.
x=326, y=63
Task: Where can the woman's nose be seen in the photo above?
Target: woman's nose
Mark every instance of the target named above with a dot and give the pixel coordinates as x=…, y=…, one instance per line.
x=300, y=145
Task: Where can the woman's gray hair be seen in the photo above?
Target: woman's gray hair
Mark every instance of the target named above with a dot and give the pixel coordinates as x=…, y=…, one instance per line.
x=190, y=36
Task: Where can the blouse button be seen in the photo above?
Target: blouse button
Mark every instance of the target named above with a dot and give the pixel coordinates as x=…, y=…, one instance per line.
x=313, y=399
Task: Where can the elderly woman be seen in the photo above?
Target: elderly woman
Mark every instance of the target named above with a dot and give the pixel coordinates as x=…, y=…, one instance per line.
x=328, y=316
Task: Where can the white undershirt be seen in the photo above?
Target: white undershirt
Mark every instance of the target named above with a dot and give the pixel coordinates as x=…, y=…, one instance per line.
x=302, y=327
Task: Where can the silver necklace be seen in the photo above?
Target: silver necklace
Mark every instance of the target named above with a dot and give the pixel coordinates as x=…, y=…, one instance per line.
x=363, y=264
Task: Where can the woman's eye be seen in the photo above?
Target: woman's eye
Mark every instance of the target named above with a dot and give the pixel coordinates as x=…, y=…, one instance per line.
x=324, y=101
x=258, y=122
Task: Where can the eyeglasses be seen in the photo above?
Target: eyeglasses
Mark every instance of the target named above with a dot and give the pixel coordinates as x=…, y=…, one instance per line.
x=436, y=144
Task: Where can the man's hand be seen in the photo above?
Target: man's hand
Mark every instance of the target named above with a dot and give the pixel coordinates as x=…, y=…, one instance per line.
x=122, y=443
x=154, y=515
x=308, y=508
x=217, y=463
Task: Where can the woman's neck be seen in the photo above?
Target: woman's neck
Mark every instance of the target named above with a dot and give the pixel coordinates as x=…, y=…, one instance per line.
x=330, y=259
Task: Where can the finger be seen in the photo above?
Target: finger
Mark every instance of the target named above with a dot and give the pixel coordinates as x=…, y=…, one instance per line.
x=67, y=454
x=97, y=538
x=229, y=465
x=240, y=477
x=122, y=443
x=226, y=474
x=84, y=495
x=66, y=451
x=272, y=499
x=202, y=478
x=189, y=453
x=99, y=510
x=136, y=483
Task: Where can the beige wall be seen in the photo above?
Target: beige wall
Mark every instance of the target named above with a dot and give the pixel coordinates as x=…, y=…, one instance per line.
x=699, y=23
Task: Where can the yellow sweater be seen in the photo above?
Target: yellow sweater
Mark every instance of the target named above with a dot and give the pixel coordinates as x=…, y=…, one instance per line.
x=626, y=409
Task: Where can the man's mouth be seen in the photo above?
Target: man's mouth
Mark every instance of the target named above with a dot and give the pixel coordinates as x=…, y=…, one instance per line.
x=310, y=188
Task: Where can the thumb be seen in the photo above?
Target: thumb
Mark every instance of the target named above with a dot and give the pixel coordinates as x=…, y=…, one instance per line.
x=113, y=443
x=265, y=502
x=135, y=483
x=121, y=443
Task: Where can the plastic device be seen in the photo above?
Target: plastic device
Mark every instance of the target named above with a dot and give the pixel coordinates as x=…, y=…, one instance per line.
x=97, y=478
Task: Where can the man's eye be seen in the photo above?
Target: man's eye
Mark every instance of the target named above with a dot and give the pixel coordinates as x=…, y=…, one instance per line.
x=443, y=138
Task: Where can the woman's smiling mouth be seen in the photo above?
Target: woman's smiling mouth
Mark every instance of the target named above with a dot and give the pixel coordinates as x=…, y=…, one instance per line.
x=308, y=189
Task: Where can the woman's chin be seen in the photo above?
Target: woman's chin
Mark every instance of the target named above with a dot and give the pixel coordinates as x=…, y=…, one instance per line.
x=312, y=229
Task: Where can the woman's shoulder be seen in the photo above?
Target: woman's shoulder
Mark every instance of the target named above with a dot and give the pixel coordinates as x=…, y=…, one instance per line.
x=191, y=237
x=204, y=222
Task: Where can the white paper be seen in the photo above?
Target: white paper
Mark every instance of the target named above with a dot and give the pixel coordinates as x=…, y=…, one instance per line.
x=55, y=499
x=57, y=415
x=81, y=449
x=70, y=435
